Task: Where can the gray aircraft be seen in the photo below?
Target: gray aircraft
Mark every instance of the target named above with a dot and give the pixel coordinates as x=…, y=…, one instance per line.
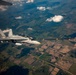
x=5, y=3
x=18, y=40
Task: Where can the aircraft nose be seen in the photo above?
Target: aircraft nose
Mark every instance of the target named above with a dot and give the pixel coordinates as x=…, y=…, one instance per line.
x=39, y=43
x=36, y=42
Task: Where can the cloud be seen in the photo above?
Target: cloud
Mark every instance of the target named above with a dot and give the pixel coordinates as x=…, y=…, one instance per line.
x=30, y=29
x=49, y=19
x=29, y=1
x=56, y=18
x=18, y=17
x=17, y=2
x=48, y=8
x=43, y=8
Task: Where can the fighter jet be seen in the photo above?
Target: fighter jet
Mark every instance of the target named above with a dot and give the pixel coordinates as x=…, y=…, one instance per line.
x=18, y=40
x=5, y=3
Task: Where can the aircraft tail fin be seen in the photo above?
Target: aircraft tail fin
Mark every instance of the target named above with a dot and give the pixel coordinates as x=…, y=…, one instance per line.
x=2, y=35
x=10, y=33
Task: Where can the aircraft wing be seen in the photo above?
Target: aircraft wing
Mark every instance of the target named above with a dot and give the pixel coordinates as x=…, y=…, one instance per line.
x=9, y=40
x=5, y=3
x=15, y=41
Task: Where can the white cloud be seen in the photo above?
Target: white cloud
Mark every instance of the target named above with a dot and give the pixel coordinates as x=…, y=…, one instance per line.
x=18, y=17
x=30, y=29
x=49, y=19
x=17, y=2
x=41, y=8
x=56, y=18
x=29, y=1
x=48, y=8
